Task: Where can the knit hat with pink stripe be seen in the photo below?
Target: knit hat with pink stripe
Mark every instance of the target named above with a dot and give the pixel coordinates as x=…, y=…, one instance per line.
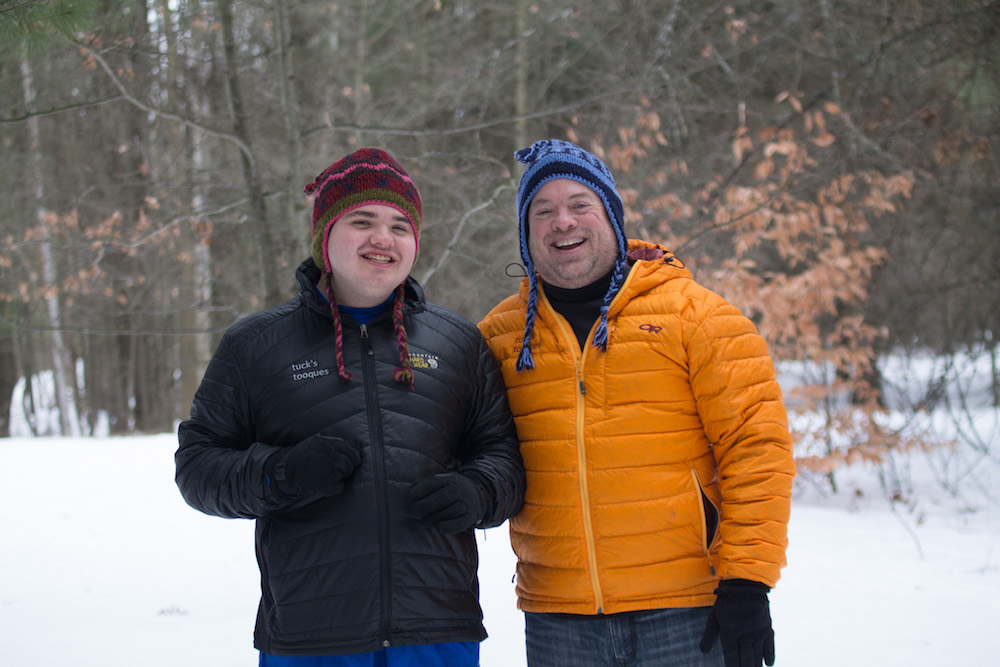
x=366, y=176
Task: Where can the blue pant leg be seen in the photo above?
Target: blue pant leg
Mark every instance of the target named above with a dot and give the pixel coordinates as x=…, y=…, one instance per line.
x=351, y=660
x=673, y=637
x=655, y=638
x=445, y=654
x=567, y=640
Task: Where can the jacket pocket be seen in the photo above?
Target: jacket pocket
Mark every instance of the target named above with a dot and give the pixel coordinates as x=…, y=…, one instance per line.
x=709, y=514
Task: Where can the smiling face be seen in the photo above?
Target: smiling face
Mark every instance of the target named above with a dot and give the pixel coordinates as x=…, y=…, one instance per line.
x=570, y=237
x=371, y=250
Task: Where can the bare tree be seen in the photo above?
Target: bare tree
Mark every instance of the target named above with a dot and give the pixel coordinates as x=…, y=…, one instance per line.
x=174, y=139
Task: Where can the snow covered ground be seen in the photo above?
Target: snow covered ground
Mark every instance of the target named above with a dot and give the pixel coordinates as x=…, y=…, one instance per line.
x=103, y=565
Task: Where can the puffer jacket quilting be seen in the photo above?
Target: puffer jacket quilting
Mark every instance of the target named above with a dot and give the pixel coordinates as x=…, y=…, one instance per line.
x=654, y=468
x=351, y=573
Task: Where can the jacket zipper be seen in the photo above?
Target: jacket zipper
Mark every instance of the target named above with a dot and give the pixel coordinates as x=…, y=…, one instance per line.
x=378, y=464
x=581, y=452
x=581, y=462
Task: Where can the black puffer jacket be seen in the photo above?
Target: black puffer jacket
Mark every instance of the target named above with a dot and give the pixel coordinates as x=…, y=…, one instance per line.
x=351, y=573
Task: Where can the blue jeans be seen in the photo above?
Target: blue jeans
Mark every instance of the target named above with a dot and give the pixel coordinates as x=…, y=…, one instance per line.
x=655, y=638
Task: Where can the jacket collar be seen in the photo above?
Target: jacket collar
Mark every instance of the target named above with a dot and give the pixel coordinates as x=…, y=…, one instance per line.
x=647, y=263
x=308, y=273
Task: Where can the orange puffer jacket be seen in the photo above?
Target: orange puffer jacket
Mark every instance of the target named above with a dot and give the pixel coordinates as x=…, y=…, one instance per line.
x=656, y=468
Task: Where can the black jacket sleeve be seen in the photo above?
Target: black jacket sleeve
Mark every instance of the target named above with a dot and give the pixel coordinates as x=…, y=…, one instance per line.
x=492, y=454
x=219, y=466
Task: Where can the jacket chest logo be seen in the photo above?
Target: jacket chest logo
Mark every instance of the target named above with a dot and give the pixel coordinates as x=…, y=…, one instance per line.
x=308, y=370
x=424, y=361
x=651, y=328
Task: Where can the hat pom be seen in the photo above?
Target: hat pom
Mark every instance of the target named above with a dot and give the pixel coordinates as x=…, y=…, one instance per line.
x=312, y=187
x=531, y=153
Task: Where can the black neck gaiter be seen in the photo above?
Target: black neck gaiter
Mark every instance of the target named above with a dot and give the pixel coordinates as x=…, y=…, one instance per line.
x=581, y=307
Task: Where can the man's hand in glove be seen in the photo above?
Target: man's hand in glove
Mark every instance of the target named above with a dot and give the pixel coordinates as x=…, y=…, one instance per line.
x=741, y=619
x=316, y=466
x=451, y=501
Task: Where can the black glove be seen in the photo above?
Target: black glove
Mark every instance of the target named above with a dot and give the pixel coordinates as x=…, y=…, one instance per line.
x=741, y=617
x=451, y=501
x=316, y=466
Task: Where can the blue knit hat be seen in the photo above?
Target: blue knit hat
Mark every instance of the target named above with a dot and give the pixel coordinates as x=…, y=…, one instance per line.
x=547, y=160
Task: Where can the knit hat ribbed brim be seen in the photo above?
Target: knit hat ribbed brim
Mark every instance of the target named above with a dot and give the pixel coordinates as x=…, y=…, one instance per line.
x=547, y=160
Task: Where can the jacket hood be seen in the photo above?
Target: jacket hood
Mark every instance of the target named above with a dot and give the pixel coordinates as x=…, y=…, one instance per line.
x=646, y=261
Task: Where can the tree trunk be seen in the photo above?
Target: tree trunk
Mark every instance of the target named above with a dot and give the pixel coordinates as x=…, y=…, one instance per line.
x=293, y=200
x=62, y=364
x=197, y=290
x=8, y=378
x=995, y=371
x=258, y=215
x=521, y=75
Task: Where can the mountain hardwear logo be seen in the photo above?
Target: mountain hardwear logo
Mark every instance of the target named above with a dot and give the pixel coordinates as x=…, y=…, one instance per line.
x=426, y=362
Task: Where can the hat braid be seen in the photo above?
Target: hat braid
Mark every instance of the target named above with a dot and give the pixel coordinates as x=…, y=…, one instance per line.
x=338, y=330
x=403, y=374
x=524, y=359
x=617, y=278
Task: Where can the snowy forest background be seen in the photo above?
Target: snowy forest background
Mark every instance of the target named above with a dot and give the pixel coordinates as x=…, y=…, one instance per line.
x=830, y=167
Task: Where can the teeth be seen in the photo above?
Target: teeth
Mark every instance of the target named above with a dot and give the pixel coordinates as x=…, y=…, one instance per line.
x=566, y=244
x=382, y=259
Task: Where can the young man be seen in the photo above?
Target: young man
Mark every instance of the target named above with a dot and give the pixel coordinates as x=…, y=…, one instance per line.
x=657, y=450
x=366, y=431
